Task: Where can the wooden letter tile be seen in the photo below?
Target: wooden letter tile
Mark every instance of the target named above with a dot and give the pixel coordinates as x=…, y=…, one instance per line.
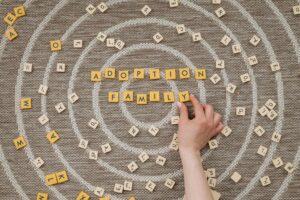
x=113, y=97
x=150, y=186
x=53, y=136
x=236, y=177
x=19, y=142
x=55, y=45
x=169, y=97
x=141, y=99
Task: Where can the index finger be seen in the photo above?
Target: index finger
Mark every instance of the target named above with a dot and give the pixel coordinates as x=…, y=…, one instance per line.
x=198, y=108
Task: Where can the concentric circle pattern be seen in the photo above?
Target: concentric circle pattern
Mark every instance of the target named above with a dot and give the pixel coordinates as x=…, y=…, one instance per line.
x=257, y=41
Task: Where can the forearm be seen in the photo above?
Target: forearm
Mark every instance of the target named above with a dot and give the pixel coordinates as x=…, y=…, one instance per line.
x=195, y=182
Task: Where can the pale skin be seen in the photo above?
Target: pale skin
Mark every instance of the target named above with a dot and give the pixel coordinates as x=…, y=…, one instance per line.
x=193, y=135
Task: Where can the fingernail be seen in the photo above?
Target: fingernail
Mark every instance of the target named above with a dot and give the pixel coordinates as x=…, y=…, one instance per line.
x=192, y=95
x=178, y=104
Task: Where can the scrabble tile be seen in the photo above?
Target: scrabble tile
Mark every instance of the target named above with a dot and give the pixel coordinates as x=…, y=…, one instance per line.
x=51, y=179
x=255, y=40
x=43, y=89
x=296, y=10
x=150, y=186
x=11, y=34
x=26, y=103
x=99, y=191
x=55, y=45
x=216, y=195
x=216, y=1
x=212, y=182
x=275, y=66
x=272, y=114
x=215, y=78
x=118, y=188
x=60, y=67
x=143, y=157
x=53, y=136
x=127, y=96
x=174, y=146
x=154, y=74
x=106, y=148
x=83, y=143
x=93, y=123
x=276, y=137
x=220, y=12
x=101, y=36
x=77, y=44
x=175, y=120
x=95, y=76
x=123, y=75
x=169, y=97
x=236, y=177
x=226, y=131
x=43, y=119
x=184, y=96
x=83, y=196
x=132, y=166
x=184, y=73
x=196, y=37
x=113, y=97
x=175, y=137
x=289, y=167
x=27, y=67
x=225, y=40
x=213, y=144
x=200, y=74
x=133, y=131
x=169, y=183
x=141, y=99
x=153, y=130
x=110, y=73
x=60, y=107
x=119, y=44
x=263, y=111
x=220, y=64
x=110, y=42
x=19, y=142
x=160, y=160
x=277, y=162
x=90, y=9
x=170, y=74
x=73, y=97
x=262, y=150
x=102, y=7
x=158, y=37
x=173, y=3
x=240, y=111
x=127, y=186
x=265, y=181
x=41, y=196
x=231, y=88
x=180, y=28
x=252, y=60
x=154, y=96
x=38, y=162
x=10, y=19
x=245, y=78
x=104, y=198
x=62, y=177
x=139, y=73
x=259, y=131
x=20, y=11
x=236, y=48
x=146, y=10
x=93, y=155
x=211, y=173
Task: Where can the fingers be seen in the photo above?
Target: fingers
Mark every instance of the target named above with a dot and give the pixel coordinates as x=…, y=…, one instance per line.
x=183, y=111
x=209, y=112
x=219, y=127
x=198, y=108
x=217, y=118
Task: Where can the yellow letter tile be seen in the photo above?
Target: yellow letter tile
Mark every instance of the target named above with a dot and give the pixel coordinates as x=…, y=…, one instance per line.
x=110, y=73
x=61, y=177
x=51, y=179
x=104, y=198
x=184, y=96
x=95, y=76
x=113, y=97
x=128, y=96
x=184, y=73
x=124, y=75
x=200, y=74
x=55, y=45
x=20, y=11
x=141, y=99
x=53, y=136
x=154, y=96
x=170, y=74
x=139, y=73
x=83, y=196
x=11, y=34
x=41, y=196
x=19, y=142
x=154, y=74
x=10, y=19
x=168, y=97
x=26, y=103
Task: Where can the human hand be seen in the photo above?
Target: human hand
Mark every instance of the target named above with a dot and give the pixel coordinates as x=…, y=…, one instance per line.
x=194, y=134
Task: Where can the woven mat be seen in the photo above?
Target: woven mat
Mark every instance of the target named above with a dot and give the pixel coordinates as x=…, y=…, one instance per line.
x=272, y=21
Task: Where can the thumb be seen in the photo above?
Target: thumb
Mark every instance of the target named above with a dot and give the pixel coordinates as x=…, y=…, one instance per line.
x=183, y=111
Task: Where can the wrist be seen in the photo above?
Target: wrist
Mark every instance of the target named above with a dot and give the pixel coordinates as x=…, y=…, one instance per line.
x=189, y=152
